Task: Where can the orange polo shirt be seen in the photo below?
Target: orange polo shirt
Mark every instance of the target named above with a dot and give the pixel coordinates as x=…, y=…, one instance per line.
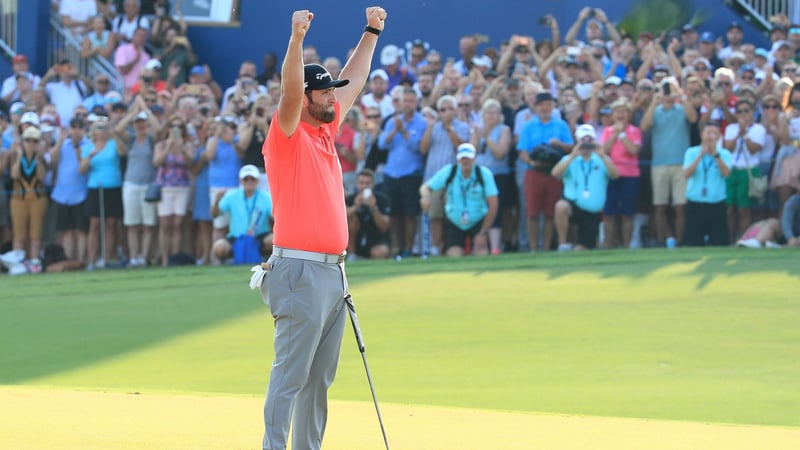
x=305, y=179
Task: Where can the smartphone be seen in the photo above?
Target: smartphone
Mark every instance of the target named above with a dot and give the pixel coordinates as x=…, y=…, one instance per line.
x=260, y=111
x=176, y=131
x=588, y=146
x=367, y=192
x=666, y=88
x=573, y=51
x=592, y=12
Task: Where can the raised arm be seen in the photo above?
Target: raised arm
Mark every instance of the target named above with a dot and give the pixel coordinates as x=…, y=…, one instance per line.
x=357, y=67
x=292, y=86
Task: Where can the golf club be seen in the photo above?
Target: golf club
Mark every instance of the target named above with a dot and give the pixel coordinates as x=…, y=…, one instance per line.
x=351, y=308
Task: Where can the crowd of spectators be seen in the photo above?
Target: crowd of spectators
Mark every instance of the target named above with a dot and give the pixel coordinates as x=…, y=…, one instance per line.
x=641, y=140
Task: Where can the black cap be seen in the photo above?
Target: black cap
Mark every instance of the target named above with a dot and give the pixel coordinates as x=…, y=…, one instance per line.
x=779, y=27
x=77, y=122
x=688, y=27
x=318, y=78
x=543, y=97
x=735, y=25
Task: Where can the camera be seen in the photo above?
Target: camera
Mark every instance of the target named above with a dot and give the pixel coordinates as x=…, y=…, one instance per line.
x=666, y=89
x=260, y=111
x=588, y=146
x=592, y=12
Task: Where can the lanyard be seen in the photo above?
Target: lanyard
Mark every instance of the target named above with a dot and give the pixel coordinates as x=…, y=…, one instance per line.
x=28, y=167
x=706, y=159
x=464, y=188
x=586, y=173
x=250, y=209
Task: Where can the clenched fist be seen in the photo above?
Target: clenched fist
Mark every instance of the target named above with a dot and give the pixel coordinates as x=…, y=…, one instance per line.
x=375, y=17
x=301, y=20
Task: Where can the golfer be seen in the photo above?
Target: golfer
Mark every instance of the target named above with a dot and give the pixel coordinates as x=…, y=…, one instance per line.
x=305, y=284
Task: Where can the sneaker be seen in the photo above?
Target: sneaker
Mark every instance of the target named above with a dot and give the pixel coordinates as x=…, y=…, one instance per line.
x=770, y=244
x=749, y=243
x=100, y=264
x=17, y=269
x=564, y=247
x=435, y=251
x=12, y=257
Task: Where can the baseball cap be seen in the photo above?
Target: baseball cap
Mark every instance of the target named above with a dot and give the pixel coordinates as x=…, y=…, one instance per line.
x=77, y=122
x=707, y=37
x=543, y=97
x=747, y=68
x=248, y=170
x=688, y=27
x=584, y=131
x=19, y=59
x=702, y=61
x=16, y=108
x=379, y=73
x=613, y=80
x=466, y=150
x=317, y=77
x=153, y=64
x=735, y=25
x=762, y=53
x=389, y=55
x=605, y=111
x=32, y=133
x=141, y=116
x=482, y=61
x=779, y=27
x=30, y=117
x=197, y=70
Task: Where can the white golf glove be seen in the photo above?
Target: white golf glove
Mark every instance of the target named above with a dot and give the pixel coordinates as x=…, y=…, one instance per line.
x=258, y=276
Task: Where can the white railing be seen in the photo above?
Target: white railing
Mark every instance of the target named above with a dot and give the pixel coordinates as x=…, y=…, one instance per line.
x=64, y=45
x=8, y=26
x=762, y=10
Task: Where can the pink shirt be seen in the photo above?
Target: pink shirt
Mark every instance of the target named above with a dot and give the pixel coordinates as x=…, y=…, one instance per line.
x=627, y=164
x=305, y=179
x=125, y=54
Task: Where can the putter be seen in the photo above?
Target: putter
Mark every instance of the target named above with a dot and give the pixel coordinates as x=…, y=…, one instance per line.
x=351, y=308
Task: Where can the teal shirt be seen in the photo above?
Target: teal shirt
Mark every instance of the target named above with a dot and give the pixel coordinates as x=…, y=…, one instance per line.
x=246, y=212
x=465, y=195
x=706, y=185
x=586, y=176
x=104, y=168
x=670, y=135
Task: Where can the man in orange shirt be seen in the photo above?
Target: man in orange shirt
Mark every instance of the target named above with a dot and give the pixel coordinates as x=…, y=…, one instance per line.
x=306, y=284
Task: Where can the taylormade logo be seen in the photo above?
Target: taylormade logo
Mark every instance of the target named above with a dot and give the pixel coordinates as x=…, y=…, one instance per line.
x=323, y=75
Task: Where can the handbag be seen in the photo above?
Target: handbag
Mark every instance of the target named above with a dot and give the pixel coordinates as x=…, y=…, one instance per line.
x=757, y=186
x=153, y=193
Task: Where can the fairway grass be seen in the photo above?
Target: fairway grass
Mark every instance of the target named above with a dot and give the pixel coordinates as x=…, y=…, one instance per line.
x=103, y=420
x=671, y=337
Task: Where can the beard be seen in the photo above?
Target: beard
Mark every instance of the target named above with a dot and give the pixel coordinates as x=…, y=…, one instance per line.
x=320, y=112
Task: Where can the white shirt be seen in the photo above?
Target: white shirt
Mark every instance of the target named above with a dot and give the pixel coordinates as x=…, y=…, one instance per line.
x=121, y=25
x=385, y=105
x=231, y=90
x=78, y=10
x=65, y=98
x=742, y=158
x=10, y=83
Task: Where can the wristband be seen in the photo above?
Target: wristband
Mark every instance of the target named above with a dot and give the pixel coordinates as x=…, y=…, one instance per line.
x=373, y=30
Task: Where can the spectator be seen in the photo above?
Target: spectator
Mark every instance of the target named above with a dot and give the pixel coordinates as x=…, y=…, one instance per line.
x=176, y=59
x=403, y=172
x=132, y=57
x=201, y=208
x=245, y=85
x=28, y=203
x=378, y=82
x=225, y=159
x=771, y=121
x=734, y=35
x=417, y=51
x=744, y=139
x=706, y=167
x=69, y=190
x=790, y=221
x=391, y=60
x=368, y=217
x=471, y=202
x=493, y=143
x=374, y=158
x=98, y=41
x=252, y=133
x=346, y=151
x=174, y=156
x=670, y=122
x=101, y=159
x=586, y=171
x=76, y=14
x=125, y=25
x=786, y=174
x=250, y=211
x=10, y=92
x=443, y=135
x=596, y=24
x=68, y=92
x=271, y=72
x=102, y=93
x=334, y=66
x=149, y=79
x=621, y=142
x=542, y=189
x=762, y=233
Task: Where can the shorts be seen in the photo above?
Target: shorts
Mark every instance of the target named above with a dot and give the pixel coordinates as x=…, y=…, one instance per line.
x=174, y=201
x=456, y=237
x=507, y=195
x=136, y=211
x=403, y=194
x=112, y=203
x=621, y=196
x=223, y=220
x=71, y=217
x=588, y=225
x=542, y=192
x=436, y=210
x=737, y=187
x=668, y=180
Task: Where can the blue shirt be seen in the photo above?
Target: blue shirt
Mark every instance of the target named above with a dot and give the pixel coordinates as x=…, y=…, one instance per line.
x=585, y=182
x=485, y=156
x=706, y=185
x=104, y=170
x=466, y=199
x=442, y=151
x=404, y=157
x=536, y=133
x=670, y=135
x=71, y=185
x=247, y=213
x=223, y=170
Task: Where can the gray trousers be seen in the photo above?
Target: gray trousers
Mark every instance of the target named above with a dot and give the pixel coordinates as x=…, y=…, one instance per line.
x=306, y=299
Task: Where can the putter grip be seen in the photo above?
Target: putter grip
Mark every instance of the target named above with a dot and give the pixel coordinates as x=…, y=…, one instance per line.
x=354, y=319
